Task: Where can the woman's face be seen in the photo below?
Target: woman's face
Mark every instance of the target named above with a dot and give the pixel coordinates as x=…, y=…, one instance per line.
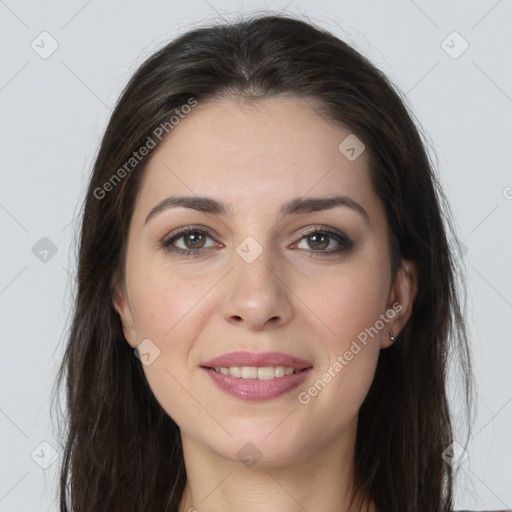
x=268, y=266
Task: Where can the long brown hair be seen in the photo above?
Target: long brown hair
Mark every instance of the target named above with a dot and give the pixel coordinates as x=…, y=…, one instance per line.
x=122, y=451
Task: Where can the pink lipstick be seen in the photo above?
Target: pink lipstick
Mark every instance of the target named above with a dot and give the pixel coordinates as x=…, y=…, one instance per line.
x=257, y=376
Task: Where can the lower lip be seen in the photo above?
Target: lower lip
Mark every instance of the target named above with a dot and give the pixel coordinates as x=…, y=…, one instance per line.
x=255, y=389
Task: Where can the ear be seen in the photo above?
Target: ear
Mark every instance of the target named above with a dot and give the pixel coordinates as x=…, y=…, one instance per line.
x=122, y=305
x=401, y=299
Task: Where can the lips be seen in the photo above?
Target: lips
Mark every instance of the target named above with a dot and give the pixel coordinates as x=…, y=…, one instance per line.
x=242, y=358
x=255, y=390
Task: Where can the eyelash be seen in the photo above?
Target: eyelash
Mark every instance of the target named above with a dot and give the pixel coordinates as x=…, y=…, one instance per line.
x=345, y=242
x=180, y=233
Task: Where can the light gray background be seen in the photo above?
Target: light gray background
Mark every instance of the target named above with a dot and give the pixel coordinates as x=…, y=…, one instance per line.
x=53, y=112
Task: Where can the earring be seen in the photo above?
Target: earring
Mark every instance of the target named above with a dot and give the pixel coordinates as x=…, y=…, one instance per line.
x=391, y=336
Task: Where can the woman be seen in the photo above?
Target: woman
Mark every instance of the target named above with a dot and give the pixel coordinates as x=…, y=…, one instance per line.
x=266, y=295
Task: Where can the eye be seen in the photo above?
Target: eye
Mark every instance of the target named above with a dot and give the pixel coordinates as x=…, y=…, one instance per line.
x=189, y=241
x=192, y=241
x=324, y=240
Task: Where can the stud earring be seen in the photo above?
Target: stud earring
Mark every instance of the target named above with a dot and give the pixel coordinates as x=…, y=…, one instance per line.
x=392, y=336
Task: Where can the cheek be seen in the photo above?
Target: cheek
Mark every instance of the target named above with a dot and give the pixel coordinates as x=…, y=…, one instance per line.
x=349, y=353
x=171, y=311
x=339, y=389
x=166, y=303
x=345, y=302
x=348, y=308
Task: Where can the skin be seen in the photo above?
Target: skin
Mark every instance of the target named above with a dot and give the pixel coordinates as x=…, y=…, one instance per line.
x=292, y=299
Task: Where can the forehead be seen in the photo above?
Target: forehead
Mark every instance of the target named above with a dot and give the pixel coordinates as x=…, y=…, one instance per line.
x=252, y=155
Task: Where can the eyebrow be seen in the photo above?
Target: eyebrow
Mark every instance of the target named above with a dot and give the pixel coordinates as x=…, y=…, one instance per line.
x=295, y=206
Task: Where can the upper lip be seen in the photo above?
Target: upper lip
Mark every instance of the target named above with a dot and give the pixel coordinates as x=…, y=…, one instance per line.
x=242, y=358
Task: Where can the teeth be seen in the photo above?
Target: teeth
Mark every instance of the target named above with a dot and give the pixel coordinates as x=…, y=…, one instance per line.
x=255, y=372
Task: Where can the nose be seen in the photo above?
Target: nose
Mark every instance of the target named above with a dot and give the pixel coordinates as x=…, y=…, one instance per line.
x=257, y=295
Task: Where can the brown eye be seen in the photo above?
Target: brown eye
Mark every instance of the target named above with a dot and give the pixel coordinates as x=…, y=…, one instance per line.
x=324, y=240
x=194, y=240
x=189, y=241
x=318, y=241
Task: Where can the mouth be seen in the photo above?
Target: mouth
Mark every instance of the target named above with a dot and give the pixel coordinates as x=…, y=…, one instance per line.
x=253, y=365
x=257, y=372
x=257, y=383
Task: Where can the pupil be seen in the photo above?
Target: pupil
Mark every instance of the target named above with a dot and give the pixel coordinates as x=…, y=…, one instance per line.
x=195, y=240
x=317, y=243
